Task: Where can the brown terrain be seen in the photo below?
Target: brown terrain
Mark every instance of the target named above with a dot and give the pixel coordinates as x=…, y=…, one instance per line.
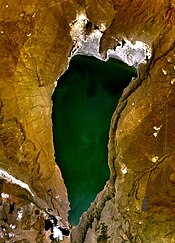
x=35, y=45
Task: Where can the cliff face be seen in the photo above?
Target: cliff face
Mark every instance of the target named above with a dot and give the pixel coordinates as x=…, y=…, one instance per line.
x=35, y=41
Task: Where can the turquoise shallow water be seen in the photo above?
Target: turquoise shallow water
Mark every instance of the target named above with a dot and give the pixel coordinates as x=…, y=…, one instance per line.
x=83, y=103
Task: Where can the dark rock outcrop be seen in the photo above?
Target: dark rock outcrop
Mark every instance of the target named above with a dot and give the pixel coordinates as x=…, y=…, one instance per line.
x=137, y=204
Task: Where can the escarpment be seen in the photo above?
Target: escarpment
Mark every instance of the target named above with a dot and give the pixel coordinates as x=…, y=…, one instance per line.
x=37, y=40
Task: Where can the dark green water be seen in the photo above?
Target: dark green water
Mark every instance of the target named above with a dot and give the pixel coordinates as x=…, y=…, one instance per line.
x=83, y=103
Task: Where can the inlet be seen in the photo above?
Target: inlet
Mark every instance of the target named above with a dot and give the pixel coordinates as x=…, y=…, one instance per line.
x=83, y=103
